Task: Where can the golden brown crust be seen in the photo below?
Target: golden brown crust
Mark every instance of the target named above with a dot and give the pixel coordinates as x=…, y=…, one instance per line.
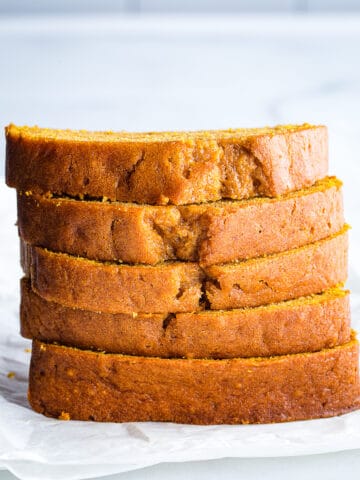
x=210, y=233
x=177, y=168
x=179, y=287
x=307, y=324
x=115, y=388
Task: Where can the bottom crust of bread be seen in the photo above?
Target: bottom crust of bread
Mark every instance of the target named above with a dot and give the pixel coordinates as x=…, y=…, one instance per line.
x=69, y=383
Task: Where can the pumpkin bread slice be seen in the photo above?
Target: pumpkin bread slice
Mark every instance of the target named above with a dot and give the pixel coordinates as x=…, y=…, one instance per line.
x=306, y=324
x=209, y=233
x=185, y=286
x=169, y=167
x=69, y=383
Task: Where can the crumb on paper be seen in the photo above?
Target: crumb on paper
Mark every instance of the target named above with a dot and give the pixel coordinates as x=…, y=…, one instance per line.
x=64, y=416
x=27, y=350
x=11, y=375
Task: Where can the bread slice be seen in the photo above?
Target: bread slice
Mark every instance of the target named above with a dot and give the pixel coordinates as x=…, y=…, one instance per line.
x=210, y=233
x=83, y=385
x=306, y=324
x=184, y=286
x=169, y=167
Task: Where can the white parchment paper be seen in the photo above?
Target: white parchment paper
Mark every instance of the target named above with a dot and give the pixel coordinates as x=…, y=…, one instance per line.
x=35, y=447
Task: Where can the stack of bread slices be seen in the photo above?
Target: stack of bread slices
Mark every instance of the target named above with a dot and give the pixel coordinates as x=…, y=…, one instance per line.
x=191, y=277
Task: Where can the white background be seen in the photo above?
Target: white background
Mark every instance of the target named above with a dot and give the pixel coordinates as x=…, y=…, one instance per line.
x=187, y=72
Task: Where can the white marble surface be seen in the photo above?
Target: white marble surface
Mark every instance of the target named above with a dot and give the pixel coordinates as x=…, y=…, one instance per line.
x=320, y=467
x=153, y=73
